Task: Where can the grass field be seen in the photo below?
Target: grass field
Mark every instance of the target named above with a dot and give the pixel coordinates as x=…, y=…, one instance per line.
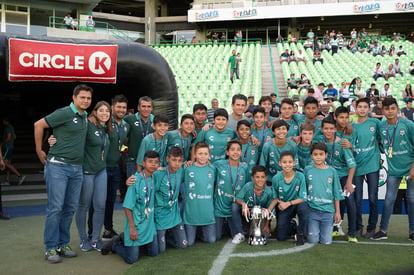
x=22, y=253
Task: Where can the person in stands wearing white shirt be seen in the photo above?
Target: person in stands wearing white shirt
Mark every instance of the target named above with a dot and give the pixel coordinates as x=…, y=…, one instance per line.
x=343, y=93
x=397, y=67
x=411, y=68
x=354, y=34
x=377, y=71
x=389, y=72
x=386, y=92
x=308, y=44
x=310, y=35
x=301, y=57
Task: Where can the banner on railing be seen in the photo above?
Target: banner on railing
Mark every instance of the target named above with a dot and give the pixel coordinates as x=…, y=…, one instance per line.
x=31, y=60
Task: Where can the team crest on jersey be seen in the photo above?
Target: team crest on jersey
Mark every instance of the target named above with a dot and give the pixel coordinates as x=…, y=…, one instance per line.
x=297, y=188
x=210, y=176
x=242, y=177
x=402, y=132
x=253, y=152
x=228, y=138
x=330, y=179
x=371, y=128
x=295, y=127
x=336, y=152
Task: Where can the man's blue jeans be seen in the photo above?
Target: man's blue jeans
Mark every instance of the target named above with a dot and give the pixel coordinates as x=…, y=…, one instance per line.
x=130, y=254
x=207, y=233
x=63, y=186
x=113, y=174
x=176, y=237
x=93, y=193
x=372, y=183
x=390, y=196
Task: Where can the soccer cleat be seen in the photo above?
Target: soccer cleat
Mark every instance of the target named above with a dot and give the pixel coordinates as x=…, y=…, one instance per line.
x=300, y=240
x=380, y=235
x=238, y=238
x=20, y=179
x=370, y=234
x=108, y=235
x=52, y=256
x=411, y=237
x=97, y=245
x=352, y=239
x=85, y=246
x=66, y=251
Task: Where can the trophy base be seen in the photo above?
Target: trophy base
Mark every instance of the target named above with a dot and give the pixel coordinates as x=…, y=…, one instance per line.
x=257, y=240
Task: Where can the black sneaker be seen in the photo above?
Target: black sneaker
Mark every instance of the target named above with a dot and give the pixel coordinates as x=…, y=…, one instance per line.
x=108, y=235
x=411, y=237
x=66, y=251
x=380, y=235
x=107, y=247
x=299, y=240
x=359, y=232
x=4, y=216
x=370, y=234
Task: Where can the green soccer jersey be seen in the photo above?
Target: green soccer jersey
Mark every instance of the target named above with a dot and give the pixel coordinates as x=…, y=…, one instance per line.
x=263, y=135
x=69, y=129
x=367, y=154
x=232, y=61
x=116, y=139
x=9, y=129
x=249, y=196
x=176, y=138
x=96, y=149
x=299, y=119
x=339, y=158
x=138, y=129
x=304, y=157
x=250, y=156
x=167, y=188
x=323, y=187
x=271, y=155
x=402, y=141
x=140, y=200
x=296, y=189
x=216, y=141
x=350, y=138
x=229, y=181
x=198, y=195
x=149, y=143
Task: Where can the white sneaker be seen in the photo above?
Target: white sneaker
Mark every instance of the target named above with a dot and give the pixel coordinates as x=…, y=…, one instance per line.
x=238, y=238
x=341, y=231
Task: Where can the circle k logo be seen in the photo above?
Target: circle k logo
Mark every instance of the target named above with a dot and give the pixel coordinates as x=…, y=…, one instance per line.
x=99, y=63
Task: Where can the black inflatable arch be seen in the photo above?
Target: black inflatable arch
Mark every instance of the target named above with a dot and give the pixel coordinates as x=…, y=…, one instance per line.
x=141, y=71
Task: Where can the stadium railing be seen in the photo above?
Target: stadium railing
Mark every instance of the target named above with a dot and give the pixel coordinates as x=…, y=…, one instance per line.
x=273, y=74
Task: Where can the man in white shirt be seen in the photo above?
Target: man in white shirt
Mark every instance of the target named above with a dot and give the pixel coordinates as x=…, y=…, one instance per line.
x=397, y=67
x=386, y=92
x=389, y=72
x=377, y=71
x=301, y=57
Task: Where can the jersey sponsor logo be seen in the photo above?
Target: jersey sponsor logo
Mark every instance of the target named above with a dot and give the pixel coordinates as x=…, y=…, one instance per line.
x=75, y=120
x=221, y=182
x=272, y=154
x=209, y=186
x=191, y=185
x=220, y=192
x=223, y=172
x=51, y=61
x=241, y=177
x=191, y=174
x=192, y=196
x=96, y=133
x=310, y=177
x=211, y=138
x=136, y=123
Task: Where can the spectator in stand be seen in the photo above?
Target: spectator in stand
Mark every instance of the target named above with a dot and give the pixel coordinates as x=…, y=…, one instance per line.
x=334, y=44
x=308, y=44
x=90, y=24
x=363, y=34
x=372, y=92
x=214, y=107
x=340, y=42
x=316, y=45
x=332, y=34
x=400, y=51
x=284, y=57
x=391, y=52
x=193, y=40
x=352, y=107
x=397, y=67
x=325, y=46
x=408, y=94
x=376, y=51
x=250, y=106
x=301, y=56
x=292, y=57
x=310, y=35
x=353, y=46
x=209, y=36
x=223, y=38
x=275, y=105
x=371, y=45
x=215, y=37
x=411, y=68
x=233, y=67
x=376, y=111
x=389, y=72
x=408, y=111
x=386, y=92
x=354, y=34
x=239, y=37
x=75, y=24
x=292, y=39
x=309, y=93
x=325, y=109
x=319, y=92
x=289, y=36
x=346, y=43
x=317, y=56
x=383, y=51
x=279, y=39
x=67, y=21
x=363, y=46
x=304, y=82
x=331, y=93
x=395, y=37
x=292, y=82
x=343, y=93
x=355, y=88
x=238, y=61
x=377, y=72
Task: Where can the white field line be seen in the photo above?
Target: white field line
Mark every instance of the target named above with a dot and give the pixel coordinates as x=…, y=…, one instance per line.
x=376, y=243
x=221, y=260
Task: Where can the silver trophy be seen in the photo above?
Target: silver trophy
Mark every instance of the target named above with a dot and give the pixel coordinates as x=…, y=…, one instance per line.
x=257, y=218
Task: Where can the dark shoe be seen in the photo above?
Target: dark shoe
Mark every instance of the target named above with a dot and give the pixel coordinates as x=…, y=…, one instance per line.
x=52, y=256
x=370, y=234
x=380, y=235
x=4, y=216
x=66, y=251
x=107, y=247
x=108, y=235
x=411, y=238
x=299, y=240
x=359, y=232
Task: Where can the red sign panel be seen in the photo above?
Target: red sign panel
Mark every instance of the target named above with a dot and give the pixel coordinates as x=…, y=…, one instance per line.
x=31, y=60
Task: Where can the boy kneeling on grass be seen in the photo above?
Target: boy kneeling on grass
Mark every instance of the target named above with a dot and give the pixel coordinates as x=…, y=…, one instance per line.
x=256, y=193
x=139, y=222
x=324, y=194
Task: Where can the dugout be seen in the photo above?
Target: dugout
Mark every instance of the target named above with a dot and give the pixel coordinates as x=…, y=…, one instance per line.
x=38, y=74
